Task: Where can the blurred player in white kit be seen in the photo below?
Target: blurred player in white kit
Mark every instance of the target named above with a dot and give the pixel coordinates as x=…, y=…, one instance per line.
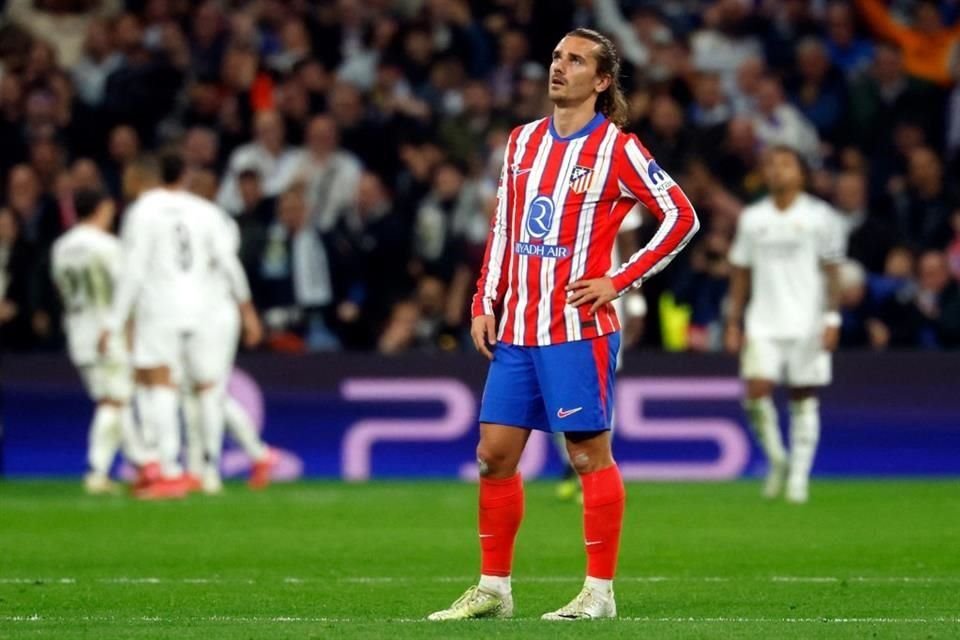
x=785, y=259
x=173, y=241
x=86, y=263
x=220, y=338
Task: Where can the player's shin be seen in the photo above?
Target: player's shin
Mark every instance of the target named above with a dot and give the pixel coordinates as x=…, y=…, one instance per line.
x=195, y=451
x=159, y=418
x=241, y=428
x=132, y=444
x=211, y=420
x=804, y=436
x=762, y=417
x=104, y=439
x=500, y=514
x=604, y=500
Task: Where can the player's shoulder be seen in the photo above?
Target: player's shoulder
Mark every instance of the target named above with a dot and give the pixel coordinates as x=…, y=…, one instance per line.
x=756, y=209
x=819, y=208
x=63, y=244
x=526, y=129
x=816, y=203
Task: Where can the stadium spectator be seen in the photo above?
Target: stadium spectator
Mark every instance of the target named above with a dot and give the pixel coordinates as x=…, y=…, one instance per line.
x=777, y=122
x=330, y=174
x=885, y=96
x=869, y=237
x=848, y=51
x=295, y=285
x=275, y=161
x=17, y=255
x=938, y=302
x=818, y=89
x=927, y=44
x=922, y=206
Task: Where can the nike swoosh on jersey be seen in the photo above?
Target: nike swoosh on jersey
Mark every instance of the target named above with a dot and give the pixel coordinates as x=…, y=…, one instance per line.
x=564, y=413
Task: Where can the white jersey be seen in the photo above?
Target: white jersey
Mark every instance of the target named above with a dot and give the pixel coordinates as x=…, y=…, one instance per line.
x=220, y=297
x=785, y=252
x=85, y=267
x=173, y=244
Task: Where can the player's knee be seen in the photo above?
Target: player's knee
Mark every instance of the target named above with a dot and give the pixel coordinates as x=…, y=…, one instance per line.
x=757, y=389
x=493, y=463
x=584, y=460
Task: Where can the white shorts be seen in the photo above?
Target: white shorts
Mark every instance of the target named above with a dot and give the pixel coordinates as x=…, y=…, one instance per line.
x=793, y=361
x=216, y=343
x=108, y=379
x=186, y=353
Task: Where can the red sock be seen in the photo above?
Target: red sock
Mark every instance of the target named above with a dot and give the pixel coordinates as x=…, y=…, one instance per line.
x=501, y=510
x=603, y=501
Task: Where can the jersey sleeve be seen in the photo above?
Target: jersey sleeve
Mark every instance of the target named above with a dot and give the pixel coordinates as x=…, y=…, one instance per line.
x=641, y=178
x=741, y=254
x=492, y=283
x=224, y=239
x=831, y=241
x=135, y=239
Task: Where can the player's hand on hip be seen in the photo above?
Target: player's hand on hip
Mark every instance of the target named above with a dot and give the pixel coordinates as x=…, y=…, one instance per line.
x=596, y=292
x=831, y=338
x=733, y=338
x=483, y=330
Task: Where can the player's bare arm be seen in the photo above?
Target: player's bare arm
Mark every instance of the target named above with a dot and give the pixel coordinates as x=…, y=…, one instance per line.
x=739, y=292
x=831, y=329
x=252, y=327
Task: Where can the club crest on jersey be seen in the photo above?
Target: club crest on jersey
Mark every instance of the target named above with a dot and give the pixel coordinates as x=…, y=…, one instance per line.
x=580, y=179
x=540, y=217
x=661, y=179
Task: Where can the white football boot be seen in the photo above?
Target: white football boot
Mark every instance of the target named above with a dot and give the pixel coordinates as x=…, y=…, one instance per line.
x=776, y=479
x=98, y=484
x=477, y=602
x=588, y=605
x=798, y=490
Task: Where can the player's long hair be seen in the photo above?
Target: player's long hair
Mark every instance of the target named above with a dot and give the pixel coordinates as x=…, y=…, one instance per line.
x=611, y=103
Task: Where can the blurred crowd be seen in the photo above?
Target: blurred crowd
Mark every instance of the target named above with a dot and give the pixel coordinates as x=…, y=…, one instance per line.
x=358, y=143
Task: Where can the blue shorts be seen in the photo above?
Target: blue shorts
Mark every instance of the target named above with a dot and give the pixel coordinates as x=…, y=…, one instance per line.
x=561, y=387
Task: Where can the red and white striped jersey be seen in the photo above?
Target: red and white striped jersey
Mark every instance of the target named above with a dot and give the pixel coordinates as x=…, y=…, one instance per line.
x=559, y=206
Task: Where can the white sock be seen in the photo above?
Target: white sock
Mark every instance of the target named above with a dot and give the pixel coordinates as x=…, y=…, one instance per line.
x=149, y=437
x=804, y=435
x=104, y=439
x=196, y=445
x=133, y=448
x=211, y=421
x=599, y=585
x=762, y=416
x=240, y=427
x=158, y=413
x=498, y=584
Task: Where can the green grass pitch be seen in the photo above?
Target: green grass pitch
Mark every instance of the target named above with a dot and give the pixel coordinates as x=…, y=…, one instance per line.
x=328, y=560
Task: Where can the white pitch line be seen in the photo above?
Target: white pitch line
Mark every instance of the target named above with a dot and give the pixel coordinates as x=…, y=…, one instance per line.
x=327, y=620
x=298, y=580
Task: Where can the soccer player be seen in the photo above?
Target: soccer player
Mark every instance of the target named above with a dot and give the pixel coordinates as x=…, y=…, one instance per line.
x=86, y=264
x=172, y=241
x=566, y=185
x=785, y=259
x=220, y=335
